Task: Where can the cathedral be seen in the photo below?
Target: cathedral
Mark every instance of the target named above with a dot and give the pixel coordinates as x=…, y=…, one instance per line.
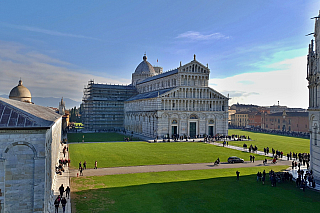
x=313, y=74
x=159, y=104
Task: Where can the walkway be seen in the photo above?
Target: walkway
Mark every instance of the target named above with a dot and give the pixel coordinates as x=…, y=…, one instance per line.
x=169, y=167
x=63, y=179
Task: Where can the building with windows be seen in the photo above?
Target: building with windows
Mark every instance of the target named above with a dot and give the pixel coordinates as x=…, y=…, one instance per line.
x=162, y=104
x=313, y=77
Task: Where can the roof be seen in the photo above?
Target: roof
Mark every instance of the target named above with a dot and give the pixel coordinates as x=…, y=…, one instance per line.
x=165, y=74
x=151, y=94
x=111, y=86
x=20, y=91
x=144, y=67
x=290, y=114
x=18, y=114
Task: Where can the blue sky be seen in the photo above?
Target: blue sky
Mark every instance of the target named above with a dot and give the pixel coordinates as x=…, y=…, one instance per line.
x=256, y=50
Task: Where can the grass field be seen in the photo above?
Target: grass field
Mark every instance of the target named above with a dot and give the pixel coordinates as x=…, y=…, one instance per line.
x=190, y=191
x=142, y=153
x=283, y=143
x=96, y=137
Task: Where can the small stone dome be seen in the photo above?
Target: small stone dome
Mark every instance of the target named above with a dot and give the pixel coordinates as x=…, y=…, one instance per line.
x=144, y=67
x=20, y=93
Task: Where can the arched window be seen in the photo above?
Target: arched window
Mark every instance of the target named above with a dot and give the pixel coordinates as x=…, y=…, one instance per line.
x=174, y=122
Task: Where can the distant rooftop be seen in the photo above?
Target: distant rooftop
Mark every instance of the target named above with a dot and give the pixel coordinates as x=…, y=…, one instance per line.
x=151, y=94
x=165, y=74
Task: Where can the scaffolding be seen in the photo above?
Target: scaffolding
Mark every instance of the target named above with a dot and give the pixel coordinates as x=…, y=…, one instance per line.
x=103, y=106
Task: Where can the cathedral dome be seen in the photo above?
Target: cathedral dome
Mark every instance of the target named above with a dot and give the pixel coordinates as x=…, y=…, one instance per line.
x=144, y=67
x=20, y=93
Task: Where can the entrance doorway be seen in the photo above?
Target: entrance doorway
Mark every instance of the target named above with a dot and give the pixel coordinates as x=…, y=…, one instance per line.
x=193, y=130
x=174, y=130
x=210, y=131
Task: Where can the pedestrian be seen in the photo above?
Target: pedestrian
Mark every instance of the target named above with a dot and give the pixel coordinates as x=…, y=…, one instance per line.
x=85, y=165
x=63, y=203
x=61, y=190
x=80, y=165
x=56, y=204
x=68, y=192
x=238, y=174
x=250, y=158
x=81, y=174
x=292, y=164
x=253, y=157
x=95, y=164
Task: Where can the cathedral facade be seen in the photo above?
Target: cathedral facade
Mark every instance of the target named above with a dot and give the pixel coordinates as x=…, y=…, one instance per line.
x=313, y=77
x=178, y=102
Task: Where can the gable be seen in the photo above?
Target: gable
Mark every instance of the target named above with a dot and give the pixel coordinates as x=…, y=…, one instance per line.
x=194, y=66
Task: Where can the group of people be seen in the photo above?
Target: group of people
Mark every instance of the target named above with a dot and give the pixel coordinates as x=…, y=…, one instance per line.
x=252, y=157
x=302, y=181
x=62, y=162
x=279, y=177
x=61, y=199
x=84, y=166
x=261, y=176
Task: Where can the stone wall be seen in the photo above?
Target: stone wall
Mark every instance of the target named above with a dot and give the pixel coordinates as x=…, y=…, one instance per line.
x=27, y=163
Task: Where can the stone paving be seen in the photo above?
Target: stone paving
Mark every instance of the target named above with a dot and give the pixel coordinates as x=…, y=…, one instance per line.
x=63, y=179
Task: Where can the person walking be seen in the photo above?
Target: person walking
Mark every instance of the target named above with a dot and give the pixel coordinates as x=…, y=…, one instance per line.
x=68, y=192
x=95, y=164
x=81, y=174
x=238, y=174
x=56, y=204
x=63, y=203
x=85, y=165
x=80, y=165
x=61, y=190
x=253, y=157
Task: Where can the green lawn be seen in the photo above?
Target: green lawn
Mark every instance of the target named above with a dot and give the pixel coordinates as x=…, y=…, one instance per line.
x=143, y=153
x=190, y=191
x=283, y=143
x=97, y=137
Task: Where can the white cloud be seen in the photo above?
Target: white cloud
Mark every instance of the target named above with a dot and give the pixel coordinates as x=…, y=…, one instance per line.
x=192, y=35
x=45, y=31
x=42, y=75
x=289, y=86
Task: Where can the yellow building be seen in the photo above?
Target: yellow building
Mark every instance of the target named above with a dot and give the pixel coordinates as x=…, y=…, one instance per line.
x=239, y=119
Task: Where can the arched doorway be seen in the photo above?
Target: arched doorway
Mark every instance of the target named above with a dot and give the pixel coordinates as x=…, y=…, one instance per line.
x=19, y=178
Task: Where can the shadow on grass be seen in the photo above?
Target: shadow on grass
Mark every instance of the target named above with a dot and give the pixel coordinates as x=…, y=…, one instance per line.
x=207, y=195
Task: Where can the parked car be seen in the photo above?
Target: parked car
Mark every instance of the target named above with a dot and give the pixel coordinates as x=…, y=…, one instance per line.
x=235, y=160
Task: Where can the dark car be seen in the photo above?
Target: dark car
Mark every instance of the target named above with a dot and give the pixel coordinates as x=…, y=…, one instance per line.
x=235, y=160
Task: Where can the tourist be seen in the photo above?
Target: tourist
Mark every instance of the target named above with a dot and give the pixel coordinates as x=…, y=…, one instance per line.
x=63, y=203
x=95, y=164
x=238, y=174
x=56, y=204
x=80, y=165
x=84, y=165
x=68, y=192
x=81, y=174
x=253, y=157
x=61, y=190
